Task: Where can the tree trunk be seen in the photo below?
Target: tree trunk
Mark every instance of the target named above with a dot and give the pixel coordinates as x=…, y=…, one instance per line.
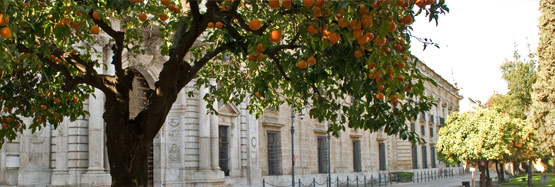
x=127, y=146
x=530, y=172
x=497, y=170
x=483, y=176
x=502, y=169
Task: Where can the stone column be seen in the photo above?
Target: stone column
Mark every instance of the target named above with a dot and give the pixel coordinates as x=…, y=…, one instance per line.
x=60, y=174
x=204, y=132
x=96, y=173
x=214, y=137
x=96, y=126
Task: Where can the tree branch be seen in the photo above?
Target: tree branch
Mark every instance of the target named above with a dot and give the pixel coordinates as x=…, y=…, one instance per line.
x=119, y=37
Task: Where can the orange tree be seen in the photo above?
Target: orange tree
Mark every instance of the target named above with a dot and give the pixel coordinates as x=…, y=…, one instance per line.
x=484, y=135
x=315, y=54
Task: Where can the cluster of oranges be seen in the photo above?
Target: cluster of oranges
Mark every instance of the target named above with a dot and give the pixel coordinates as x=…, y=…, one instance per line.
x=302, y=64
x=5, y=31
x=258, y=55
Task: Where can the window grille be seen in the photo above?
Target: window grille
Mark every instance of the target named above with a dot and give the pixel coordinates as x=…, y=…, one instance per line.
x=357, y=156
x=274, y=153
x=382, y=156
x=322, y=154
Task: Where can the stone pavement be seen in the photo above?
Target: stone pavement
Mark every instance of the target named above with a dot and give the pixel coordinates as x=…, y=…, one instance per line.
x=448, y=182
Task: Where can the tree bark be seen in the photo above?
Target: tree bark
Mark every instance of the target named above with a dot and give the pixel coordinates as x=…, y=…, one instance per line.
x=529, y=172
x=483, y=176
x=497, y=170
x=127, y=146
x=502, y=175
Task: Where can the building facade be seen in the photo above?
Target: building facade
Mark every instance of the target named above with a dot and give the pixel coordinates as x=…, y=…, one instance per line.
x=233, y=148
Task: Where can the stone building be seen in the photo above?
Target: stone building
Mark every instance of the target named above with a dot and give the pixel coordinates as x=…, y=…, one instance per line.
x=233, y=148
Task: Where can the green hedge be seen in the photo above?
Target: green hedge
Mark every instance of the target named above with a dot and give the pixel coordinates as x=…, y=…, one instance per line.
x=401, y=176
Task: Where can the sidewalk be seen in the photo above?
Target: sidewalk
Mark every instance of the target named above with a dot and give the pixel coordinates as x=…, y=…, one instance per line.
x=448, y=182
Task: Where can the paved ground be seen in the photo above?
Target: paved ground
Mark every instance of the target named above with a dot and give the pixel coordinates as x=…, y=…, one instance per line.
x=448, y=182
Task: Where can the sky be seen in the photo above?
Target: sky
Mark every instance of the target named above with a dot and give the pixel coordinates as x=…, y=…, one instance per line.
x=475, y=38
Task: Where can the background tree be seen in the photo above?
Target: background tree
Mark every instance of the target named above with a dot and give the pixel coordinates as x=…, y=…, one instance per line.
x=520, y=75
x=543, y=98
x=266, y=53
x=482, y=135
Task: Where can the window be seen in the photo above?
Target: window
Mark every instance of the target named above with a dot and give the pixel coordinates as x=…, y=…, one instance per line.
x=356, y=156
x=423, y=130
x=424, y=157
x=413, y=127
x=414, y=157
x=274, y=153
x=382, y=156
x=433, y=154
x=322, y=154
x=431, y=132
x=224, y=149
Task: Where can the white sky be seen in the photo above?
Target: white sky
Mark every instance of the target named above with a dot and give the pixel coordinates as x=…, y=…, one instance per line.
x=475, y=39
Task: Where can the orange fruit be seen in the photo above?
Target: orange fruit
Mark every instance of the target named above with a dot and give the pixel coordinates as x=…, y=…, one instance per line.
x=341, y=11
x=392, y=26
x=176, y=9
x=3, y=21
x=355, y=24
x=358, y=54
x=259, y=56
x=333, y=38
x=257, y=94
x=311, y=29
x=407, y=20
x=6, y=32
x=400, y=78
x=381, y=87
x=287, y=3
x=371, y=66
x=420, y=3
x=163, y=17
x=75, y=100
x=301, y=64
x=342, y=23
x=251, y=57
x=95, y=29
x=362, y=10
x=254, y=24
x=369, y=36
x=57, y=100
x=4, y=125
x=311, y=60
x=406, y=58
x=362, y=40
x=316, y=12
x=379, y=96
x=5, y=109
x=210, y=25
x=386, y=49
x=380, y=41
x=171, y=7
x=398, y=47
x=401, y=3
x=275, y=36
x=401, y=65
x=273, y=4
x=26, y=5
x=357, y=33
x=219, y=25
x=308, y=2
x=165, y=2
x=429, y=2
x=377, y=76
x=259, y=48
x=142, y=16
x=95, y=15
